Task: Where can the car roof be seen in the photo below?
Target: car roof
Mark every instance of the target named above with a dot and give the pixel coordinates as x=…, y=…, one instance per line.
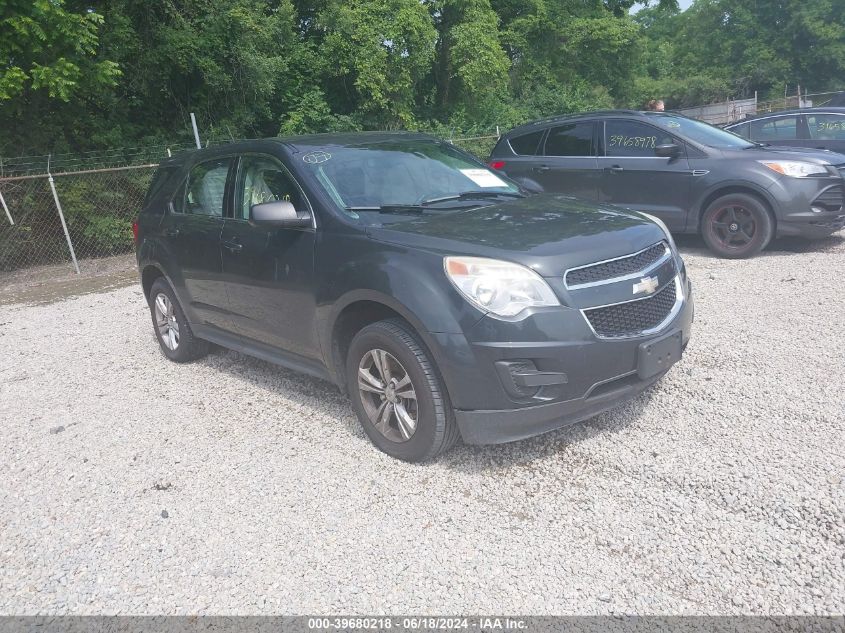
x=595, y=114
x=814, y=110
x=296, y=143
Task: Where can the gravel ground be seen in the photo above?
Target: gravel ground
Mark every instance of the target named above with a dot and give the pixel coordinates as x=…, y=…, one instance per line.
x=132, y=485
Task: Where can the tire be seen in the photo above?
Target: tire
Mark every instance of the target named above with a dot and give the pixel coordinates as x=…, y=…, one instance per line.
x=187, y=347
x=392, y=343
x=736, y=226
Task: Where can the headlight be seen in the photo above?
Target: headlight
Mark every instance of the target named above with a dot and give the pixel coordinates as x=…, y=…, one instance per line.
x=503, y=288
x=678, y=259
x=795, y=169
x=663, y=227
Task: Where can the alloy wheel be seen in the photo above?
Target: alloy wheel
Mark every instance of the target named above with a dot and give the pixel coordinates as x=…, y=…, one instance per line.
x=168, y=326
x=734, y=226
x=388, y=395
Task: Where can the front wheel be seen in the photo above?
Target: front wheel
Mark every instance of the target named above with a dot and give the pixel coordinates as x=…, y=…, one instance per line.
x=737, y=226
x=397, y=394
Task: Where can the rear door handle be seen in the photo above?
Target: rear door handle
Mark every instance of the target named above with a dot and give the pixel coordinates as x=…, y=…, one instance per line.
x=234, y=247
x=542, y=169
x=172, y=232
x=614, y=169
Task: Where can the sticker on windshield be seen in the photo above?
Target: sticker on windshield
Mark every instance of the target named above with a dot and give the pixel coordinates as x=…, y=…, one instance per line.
x=484, y=178
x=316, y=157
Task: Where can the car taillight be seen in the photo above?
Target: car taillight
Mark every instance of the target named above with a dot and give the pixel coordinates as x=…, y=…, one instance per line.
x=497, y=164
x=135, y=231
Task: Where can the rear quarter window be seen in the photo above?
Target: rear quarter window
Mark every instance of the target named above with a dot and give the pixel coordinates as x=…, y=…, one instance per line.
x=161, y=178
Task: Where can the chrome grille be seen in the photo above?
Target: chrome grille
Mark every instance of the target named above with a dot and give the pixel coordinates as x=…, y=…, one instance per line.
x=604, y=271
x=633, y=317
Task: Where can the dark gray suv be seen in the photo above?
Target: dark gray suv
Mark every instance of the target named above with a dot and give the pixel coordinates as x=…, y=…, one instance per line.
x=816, y=128
x=695, y=177
x=435, y=292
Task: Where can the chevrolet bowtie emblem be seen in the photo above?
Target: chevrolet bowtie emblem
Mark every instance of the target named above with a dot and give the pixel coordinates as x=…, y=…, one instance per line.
x=647, y=285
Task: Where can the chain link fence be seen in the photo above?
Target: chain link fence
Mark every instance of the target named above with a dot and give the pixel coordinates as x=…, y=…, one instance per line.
x=97, y=206
x=97, y=201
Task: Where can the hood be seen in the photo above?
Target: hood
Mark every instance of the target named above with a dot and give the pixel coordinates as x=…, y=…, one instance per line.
x=773, y=152
x=548, y=233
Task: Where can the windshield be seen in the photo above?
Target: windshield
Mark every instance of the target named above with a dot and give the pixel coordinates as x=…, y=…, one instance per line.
x=701, y=132
x=403, y=176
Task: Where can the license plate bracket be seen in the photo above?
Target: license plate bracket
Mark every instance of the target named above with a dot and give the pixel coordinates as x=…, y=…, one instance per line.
x=657, y=356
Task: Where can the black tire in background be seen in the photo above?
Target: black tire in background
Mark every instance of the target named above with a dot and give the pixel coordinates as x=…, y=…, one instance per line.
x=737, y=225
x=436, y=429
x=188, y=347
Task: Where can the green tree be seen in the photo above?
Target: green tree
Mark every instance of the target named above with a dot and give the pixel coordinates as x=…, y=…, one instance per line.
x=47, y=49
x=378, y=53
x=471, y=71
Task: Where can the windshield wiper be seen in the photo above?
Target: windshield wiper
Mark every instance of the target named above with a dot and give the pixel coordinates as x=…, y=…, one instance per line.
x=389, y=208
x=469, y=195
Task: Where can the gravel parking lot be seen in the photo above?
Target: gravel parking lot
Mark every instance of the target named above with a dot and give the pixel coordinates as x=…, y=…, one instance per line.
x=129, y=484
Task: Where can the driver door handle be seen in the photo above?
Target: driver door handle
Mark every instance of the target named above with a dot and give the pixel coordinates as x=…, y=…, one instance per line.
x=614, y=169
x=542, y=169
x=233, y=247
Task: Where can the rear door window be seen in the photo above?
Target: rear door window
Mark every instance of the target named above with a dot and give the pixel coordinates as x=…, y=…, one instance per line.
x=826, y=127
x=776, y=129
x=572, y=139
x=740, y=130
x=204, y=191
x=526, y=144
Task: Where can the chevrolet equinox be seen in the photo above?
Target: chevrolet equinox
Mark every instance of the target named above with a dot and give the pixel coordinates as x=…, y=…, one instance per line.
x=435, y=292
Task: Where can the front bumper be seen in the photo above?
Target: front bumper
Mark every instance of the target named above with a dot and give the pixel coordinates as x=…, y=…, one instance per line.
x=600, y=373
x=811, y=225
x=803, y=206
x=498, y=427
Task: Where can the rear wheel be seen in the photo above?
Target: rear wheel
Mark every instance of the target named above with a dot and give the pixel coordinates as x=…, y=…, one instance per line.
x=172, y=330
x=736, y=226
x=397, y=394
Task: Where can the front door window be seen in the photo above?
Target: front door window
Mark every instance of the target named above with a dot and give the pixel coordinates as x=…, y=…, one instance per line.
x=633, y=139
x=262, y=179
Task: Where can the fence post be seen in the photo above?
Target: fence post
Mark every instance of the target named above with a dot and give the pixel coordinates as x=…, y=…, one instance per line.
x=6, y=209
x=62, y=218
x=196, y=131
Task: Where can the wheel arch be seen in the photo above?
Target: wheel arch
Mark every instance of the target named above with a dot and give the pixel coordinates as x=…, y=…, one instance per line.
x=355, y=312
x=736, y=188
x=149, y=274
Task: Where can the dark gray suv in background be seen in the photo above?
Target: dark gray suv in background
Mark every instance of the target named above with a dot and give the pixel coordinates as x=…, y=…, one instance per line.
x=695, y=177
x=817, y=128
x=432, y=290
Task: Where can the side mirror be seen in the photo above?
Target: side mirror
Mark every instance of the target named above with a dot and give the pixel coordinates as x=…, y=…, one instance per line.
x=279, y=213
x=670, y=150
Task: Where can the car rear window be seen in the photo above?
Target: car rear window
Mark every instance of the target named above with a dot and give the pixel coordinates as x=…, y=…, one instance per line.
x=526, y=144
